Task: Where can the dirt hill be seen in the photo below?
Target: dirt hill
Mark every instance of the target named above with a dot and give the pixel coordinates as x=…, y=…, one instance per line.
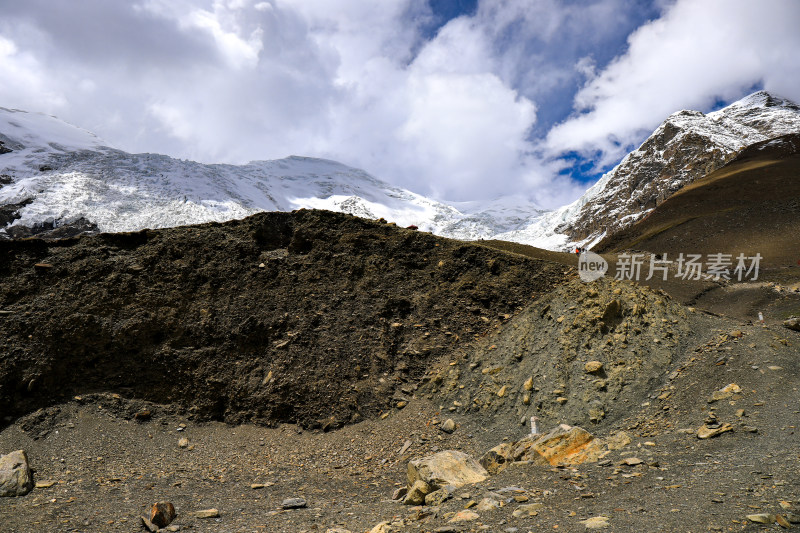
x=310, y=317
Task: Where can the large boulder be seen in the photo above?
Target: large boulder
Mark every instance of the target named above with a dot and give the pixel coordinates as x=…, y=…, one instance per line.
x=792, y=323
x=449, y=467
x=16, y=477
x=564, y=445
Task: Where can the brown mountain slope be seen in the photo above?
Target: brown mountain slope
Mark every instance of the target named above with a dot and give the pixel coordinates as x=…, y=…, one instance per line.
x=751, y=205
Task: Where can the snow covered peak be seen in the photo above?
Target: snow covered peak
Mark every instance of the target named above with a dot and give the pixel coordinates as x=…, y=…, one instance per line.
x=53, y=175
x=685, y=147
x=21, y=130
x=760, y=99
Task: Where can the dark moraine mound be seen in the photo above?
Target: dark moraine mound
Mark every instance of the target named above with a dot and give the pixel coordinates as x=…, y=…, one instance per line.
x=309, y=317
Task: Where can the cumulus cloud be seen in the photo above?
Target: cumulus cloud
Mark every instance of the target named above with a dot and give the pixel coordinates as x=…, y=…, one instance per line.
x=696, y=54
x=461, y=109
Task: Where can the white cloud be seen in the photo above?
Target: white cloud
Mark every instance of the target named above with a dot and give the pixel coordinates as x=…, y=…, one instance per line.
x=697, y=53
x=23, y=83
x=449, y=114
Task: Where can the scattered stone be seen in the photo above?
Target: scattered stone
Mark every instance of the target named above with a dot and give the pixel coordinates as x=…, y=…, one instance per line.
x=528, y=385
x=593, y=366
x=337, y=530
x=183, y=442
x=498, y=458
x=792, y=323
x=529, y=509
x=449, y=467
x=448, y=426
x=293, y=503
x=781, y=520
x=725, y=392
x=206, y=513
x=143, y=416
x=400, y=493
x=16, y=477
x=383, y=527
x=405, y=447
x=706, y=432
x=45, y=484
x=793, y=518
x=465, y=516
x=596, y=522
x=438, y=497
x=618, y=440
x=786, y=506
x=632, y=461
x=257, y=486
x=502, y=391
x=417, y=492
x=561, y=400
x=597, y=413
x=761, y=518
x=162, y=514
x=487, y=504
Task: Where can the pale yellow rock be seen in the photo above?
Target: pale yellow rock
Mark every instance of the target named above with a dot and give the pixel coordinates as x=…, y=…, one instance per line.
x=487, y=504
x=416, y=494
x=704, y=432
x=596, y=522
x=725, y=392
x=761, y=518
x=530, y=509
x=593, y=366
x=502, y=391
x=528, y=385
x=450, y=467
x=383, y=527
x=207, y=513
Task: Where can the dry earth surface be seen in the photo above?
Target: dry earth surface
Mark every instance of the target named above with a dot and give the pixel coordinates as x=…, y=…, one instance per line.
x=294, y=379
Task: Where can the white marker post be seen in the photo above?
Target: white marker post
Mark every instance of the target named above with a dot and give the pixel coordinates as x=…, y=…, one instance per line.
x=534, y=425
x=760, y=317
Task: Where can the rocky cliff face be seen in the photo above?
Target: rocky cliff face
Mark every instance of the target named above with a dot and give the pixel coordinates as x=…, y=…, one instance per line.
x=687, y=146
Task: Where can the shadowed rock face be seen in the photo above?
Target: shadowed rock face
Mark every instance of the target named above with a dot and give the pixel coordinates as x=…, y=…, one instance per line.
x=686, y=147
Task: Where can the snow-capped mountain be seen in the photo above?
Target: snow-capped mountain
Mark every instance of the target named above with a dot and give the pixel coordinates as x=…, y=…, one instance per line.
x=53, y=173
x=687, y=146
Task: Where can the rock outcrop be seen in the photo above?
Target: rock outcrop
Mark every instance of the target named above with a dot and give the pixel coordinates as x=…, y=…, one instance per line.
x=16, y=477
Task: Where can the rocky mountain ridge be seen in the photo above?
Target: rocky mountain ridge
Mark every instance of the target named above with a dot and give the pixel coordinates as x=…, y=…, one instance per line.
x=55, y=177
x=685, y=147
